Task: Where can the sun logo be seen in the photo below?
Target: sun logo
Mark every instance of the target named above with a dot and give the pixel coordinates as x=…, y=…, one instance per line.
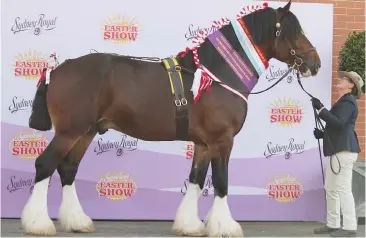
x=120, y=30
x=116, y=186
x=28, y=145
x=284, y=189
x=286, y=112
x=30, y=65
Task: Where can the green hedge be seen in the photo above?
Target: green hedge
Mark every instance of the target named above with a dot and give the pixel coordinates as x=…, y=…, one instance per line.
x=352, y=54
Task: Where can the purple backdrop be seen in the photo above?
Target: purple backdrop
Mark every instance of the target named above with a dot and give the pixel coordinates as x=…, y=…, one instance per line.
x=153, y=171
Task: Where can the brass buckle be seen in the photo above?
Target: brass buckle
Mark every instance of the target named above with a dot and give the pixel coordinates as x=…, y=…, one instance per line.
x=300, y=62
x=178, y=68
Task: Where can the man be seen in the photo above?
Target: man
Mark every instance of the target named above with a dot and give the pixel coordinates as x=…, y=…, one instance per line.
x=340, y=143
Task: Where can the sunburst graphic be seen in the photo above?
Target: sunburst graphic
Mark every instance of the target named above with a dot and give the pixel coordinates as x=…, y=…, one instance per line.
x=116, y=186
x=29, y=65
x=285, y=188
x=120, y=29
x=286, y=112
x=28, y=145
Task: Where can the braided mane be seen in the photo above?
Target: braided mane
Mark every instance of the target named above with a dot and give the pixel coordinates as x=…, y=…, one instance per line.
x=201, y=36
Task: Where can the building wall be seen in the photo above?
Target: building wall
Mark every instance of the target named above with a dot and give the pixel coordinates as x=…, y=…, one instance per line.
x=349, y=16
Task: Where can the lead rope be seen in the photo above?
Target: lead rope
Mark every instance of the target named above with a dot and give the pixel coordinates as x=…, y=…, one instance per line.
x=319, y=123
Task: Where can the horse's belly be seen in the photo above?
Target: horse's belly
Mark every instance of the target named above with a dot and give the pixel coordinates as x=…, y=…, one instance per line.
x=147, y=113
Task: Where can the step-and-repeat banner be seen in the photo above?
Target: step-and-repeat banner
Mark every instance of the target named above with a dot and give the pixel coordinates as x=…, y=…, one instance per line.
x=275, y=171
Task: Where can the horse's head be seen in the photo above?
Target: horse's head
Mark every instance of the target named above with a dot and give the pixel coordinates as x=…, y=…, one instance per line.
x=279, y=34
x=292, y=46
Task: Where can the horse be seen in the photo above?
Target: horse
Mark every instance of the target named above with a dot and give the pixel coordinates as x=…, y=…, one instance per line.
x=100, y=91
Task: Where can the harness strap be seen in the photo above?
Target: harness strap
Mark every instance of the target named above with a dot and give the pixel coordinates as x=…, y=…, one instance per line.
x=180, y=102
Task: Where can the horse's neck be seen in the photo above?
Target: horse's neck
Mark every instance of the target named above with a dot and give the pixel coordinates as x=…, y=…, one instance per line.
x=213, y=61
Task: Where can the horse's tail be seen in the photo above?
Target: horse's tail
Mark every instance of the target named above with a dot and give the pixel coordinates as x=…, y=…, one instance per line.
x=40, y=118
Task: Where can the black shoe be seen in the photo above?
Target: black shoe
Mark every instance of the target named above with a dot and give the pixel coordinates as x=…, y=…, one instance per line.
x=325, y=230
x=343, y=233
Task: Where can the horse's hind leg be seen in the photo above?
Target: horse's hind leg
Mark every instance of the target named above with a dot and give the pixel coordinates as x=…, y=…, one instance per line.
x=187, y=221
x=71, y=215
x=34, y=218
x=219, y=221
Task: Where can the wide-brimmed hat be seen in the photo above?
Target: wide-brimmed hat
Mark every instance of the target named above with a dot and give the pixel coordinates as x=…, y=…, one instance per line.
x=355, y=78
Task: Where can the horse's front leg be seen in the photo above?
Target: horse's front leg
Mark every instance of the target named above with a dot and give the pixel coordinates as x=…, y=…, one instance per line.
x=219, y=221
x=187, y=221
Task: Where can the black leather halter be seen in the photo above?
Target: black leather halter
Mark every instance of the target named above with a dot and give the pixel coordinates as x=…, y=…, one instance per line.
x=298, y=56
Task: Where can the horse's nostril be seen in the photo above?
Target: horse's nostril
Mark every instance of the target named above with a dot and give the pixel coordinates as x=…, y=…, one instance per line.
x=318, y=65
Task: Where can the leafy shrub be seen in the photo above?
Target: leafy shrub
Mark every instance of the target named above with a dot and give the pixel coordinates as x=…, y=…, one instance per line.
x=352, y=54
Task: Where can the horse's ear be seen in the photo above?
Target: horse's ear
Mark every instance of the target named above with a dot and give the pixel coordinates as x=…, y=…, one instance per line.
x=287, y=7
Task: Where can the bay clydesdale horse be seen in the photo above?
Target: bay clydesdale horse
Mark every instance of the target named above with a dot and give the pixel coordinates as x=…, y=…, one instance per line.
x=100, y=91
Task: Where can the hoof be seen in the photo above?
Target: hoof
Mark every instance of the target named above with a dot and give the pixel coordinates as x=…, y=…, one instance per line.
x=76, y=223
x=219, y=221
x=187, y=221
x=71, y=215
x=34, y=219
x=221, y=228
x=41, y=226
x=193, y=227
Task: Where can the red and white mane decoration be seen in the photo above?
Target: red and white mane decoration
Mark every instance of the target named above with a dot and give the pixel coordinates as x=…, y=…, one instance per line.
x=52, y=63
x=202, y=80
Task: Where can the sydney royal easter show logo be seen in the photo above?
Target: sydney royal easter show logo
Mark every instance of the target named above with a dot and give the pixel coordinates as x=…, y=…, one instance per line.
x=125, y=144
x=18, y=103
x=286, y=149
x=193, y=30
x=28, y=145
x=120, y=29
x=116, y=186
x=17, y=183
x=30, y=64
x=286, y=112
x=274, y=73
x=189, y=150
x=35, y=25
x=284, y=189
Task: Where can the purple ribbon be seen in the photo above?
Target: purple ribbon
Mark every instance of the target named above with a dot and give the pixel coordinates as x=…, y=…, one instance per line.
x=237, y=64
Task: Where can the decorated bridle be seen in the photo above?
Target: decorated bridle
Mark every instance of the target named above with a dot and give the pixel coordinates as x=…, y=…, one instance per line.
x=298, y=61
x=201, y=36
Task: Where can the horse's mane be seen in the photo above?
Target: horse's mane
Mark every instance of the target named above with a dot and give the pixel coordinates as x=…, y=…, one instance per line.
x=261, y=25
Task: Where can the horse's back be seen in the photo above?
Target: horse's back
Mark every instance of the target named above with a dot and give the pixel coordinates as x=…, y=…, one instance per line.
x=143, y=104
x=131, y=94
